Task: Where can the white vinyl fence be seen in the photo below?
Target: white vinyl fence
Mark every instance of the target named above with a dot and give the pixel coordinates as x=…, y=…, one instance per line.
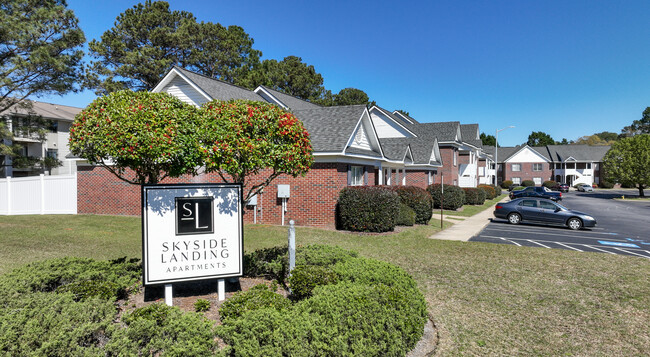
x=39, y=195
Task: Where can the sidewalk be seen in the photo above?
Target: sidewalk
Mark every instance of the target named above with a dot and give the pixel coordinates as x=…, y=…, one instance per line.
x=467, y=228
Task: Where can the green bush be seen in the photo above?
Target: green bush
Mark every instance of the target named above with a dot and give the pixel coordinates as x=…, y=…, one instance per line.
x=405, y=216
x=201, y=305
x=549, y=184
x=418, y=199
x=517, y=188
x=474, y=196
x=163, y=330
x=257, y=297
x=323, y=255
x=367, y=209
x=605, y=184
x=490, y=193
x=454, y=196
x=497, y=191
x=374, y=310
x=506, y=184
x=268, y=262
x=528, y=183
x=305, y=278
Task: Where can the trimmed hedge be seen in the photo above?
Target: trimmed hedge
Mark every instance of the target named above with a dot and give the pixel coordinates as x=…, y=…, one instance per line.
x=368, y=209
x=549, y=184
x=305, y=278
x=528, y=183
x=506, y=184
x=605, y=184
x=454, y=196
x=374, y=310
x=418, y=199
x=256, y=298
x=497, y=191
x=474, y=196
x=406, y=216
x=490, y=193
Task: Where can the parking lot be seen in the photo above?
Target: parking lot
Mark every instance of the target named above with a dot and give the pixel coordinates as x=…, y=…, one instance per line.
x=622, y=226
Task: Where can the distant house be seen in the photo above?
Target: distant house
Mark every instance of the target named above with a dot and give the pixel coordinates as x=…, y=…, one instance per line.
x=55, y=145
x=571, y=164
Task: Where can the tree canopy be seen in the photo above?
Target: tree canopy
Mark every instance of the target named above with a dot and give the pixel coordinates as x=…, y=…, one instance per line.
x=628, y=160
x=488, y=140
x=148, y=39
x=291, y=76
x=141, y=137
x=239, y=139
x=346, y=96
x=639, y=126
x=540, y=138
x=40, y=50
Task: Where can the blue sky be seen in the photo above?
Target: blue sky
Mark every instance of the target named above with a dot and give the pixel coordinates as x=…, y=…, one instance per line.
x=568, y=68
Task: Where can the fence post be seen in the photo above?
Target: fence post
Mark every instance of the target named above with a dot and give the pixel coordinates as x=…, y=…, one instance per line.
x=8, y=195
x=42, y=179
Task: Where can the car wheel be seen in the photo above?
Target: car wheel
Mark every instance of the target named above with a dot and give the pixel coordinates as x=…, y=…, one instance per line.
x=514, y=218
x=574, y=223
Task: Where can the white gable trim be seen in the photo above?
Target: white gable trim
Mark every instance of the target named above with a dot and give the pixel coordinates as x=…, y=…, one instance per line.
x=369, y=128
x=176, y=73
x=387, y=116
x=271, y=96
x=540, y=158
x=403, y=116
x=570, y=158
x=408, y=154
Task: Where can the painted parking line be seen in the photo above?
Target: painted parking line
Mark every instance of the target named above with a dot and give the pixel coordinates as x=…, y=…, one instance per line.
x=507, y=240
x=564, y=245
x=538, y=243
x=567, y=234
x=625, y=251
x=534, y=229
x=598, y=249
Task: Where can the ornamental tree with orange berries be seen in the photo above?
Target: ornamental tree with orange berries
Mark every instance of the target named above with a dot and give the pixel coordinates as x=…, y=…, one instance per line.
x=153, y=134
x=240, y=139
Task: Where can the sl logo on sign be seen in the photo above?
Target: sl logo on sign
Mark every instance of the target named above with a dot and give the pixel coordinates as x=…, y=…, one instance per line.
x=194, y=215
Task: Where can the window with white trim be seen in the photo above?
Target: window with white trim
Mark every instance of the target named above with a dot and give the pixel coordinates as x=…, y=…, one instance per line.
x=455, y=158
x=537, y=167
x=516, y=167
x=516, y=180
x=537, y=180
x=589, y=165
x=356, y=176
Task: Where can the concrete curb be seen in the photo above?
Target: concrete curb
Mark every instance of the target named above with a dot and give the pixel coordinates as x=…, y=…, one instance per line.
x=467, y=228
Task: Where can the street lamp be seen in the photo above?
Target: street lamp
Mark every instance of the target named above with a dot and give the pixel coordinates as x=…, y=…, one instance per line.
x=496, y=154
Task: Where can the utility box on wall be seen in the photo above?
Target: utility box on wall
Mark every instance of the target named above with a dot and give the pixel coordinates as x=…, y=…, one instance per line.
x=283, y=191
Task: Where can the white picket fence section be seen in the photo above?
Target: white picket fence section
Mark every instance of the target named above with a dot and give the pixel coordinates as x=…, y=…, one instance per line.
x=39, y=195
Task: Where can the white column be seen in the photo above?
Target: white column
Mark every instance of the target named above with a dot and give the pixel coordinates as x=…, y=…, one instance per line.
x=42, y=180
x=8, y=195
x=380, y=172
x=169, y=295
x=221, y=289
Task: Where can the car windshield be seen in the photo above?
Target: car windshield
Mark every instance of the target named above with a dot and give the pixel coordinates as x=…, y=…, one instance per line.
x=559, y=205
x=546, y=189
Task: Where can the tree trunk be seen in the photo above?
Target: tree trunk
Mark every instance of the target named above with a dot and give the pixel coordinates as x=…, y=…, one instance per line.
x=641, y=194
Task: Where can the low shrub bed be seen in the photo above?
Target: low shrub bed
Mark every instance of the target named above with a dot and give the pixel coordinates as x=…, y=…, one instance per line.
x=490, y=192
x=418, y=199
x=340, y=304
x=528, y=183
x=367, y=209
x=474, y=196
x=453, y=199
x=506, y=184
x=550, y=184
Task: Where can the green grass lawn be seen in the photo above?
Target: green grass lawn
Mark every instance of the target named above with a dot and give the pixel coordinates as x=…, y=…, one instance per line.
x=485, y=299
x=470, y=210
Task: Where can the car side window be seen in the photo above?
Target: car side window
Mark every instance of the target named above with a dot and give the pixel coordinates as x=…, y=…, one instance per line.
x=547, y=205
x=528, y=203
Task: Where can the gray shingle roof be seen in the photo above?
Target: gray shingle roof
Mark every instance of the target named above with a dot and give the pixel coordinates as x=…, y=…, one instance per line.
x=468, y=133
x=407, y=116
x=395, y=117
x=559, y=153
x=290, y=101
x=220, y=90
x=421, y=146
x=394, y=148
x=330, y=127
x=46, y=110
x=444, y=131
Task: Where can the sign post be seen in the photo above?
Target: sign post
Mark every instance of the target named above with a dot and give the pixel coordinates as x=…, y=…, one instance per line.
x=442, y=196
x=191, y=232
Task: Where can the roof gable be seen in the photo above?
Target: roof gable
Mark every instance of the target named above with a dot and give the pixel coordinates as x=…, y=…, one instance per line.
x=387, y=125
x=284, y=100
x=526, y=154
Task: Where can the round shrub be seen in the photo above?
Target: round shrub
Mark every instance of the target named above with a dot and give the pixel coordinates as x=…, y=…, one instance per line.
x=201, y=305
x=374, y=310
x=474, y=196
x=406, y=215
x=506, y=184
x=257, y=297
x=323, y=255
x=454, y=196
x=418, y=199
x=367, y=209
x=517, y=188
x=549, y=184
x=528, y=183
x=497, y=191
x=305, y=278
x=605, y=184
x=490, y=193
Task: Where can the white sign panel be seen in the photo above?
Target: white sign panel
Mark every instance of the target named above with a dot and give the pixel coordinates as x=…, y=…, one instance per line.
x=191, y=232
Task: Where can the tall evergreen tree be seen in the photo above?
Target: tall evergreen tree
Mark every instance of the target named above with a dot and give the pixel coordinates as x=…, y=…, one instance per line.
x=291, y=76
x=540, y=138
x=40, y=50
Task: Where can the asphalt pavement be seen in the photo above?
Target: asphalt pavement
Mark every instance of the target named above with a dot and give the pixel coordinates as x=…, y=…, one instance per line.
x=623, y=226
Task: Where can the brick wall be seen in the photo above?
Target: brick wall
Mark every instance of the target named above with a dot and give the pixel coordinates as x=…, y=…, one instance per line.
x=312, y=202
x=419, y=178
x=527, y=172
x=448, y=169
